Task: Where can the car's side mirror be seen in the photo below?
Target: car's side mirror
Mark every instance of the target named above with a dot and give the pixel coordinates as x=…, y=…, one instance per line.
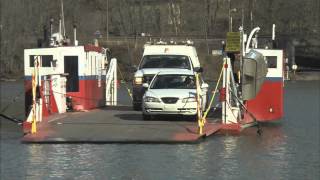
x=134, y=68
x=145, y=85
x=204, y=85
x=198, y=69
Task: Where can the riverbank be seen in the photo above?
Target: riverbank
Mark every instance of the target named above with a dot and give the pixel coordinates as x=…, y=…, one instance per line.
x=298, y=76
x=12, y=77
x=305, y=76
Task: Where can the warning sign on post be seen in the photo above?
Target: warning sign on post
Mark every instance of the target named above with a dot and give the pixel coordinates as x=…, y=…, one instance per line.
x=233, y=42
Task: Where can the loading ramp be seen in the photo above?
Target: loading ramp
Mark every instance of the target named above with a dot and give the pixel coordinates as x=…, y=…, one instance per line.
x=118, y=124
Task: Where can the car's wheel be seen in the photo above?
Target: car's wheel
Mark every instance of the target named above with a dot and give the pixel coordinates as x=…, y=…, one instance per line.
x=195, y=117
x=136, y=106
x=190, y=117
x=146, y=117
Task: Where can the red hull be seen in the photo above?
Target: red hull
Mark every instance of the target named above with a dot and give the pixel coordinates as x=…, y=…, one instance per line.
x=268, y=105
x=90, y=96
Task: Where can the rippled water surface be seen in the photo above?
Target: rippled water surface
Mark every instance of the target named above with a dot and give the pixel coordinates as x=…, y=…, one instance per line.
x=289, y=149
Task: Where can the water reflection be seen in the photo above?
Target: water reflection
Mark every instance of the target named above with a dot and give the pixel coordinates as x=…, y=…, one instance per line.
x=36, y=160
x=193, y=159
x=222, y=157
x=286, y=150
x=59, y=161
x=228, y=157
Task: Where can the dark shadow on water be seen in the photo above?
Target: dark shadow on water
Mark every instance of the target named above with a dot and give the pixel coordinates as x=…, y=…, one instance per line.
x=138, y=117
x=275, y=124
x=179, y=118
x=130, y=117
x=268, y=129
x=118, y=108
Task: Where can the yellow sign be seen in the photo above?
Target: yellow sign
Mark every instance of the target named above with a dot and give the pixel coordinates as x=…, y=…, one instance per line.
x=233, y=42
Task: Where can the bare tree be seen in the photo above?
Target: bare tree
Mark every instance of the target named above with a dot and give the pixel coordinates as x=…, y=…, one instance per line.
x=174, y=15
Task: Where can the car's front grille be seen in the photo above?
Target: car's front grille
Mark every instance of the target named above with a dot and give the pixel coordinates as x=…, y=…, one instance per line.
x=169, y=100
x=147, y=78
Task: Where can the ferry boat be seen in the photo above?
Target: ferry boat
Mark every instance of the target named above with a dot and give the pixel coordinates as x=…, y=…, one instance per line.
x=79, y=72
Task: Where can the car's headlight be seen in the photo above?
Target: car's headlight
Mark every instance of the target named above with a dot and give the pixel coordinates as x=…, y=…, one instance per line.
x=189, y=99
x=151, y=99
x=138, y=80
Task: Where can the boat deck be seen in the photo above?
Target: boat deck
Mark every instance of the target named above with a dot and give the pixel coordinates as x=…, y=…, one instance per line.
x=117, y=125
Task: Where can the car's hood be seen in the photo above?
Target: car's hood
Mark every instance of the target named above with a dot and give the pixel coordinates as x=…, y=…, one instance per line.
x=153, y=71
x=179, y=93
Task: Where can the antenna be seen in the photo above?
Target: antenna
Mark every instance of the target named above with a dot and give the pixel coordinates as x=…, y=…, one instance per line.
x=75, y=35
x=274, y=45
x=51, y=26
x=62, y=19
x=273, y=32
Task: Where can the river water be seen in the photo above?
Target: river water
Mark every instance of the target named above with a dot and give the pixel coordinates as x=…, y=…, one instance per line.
x=289, y=149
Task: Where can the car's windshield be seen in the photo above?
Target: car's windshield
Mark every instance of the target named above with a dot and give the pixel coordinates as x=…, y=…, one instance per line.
x=174, y=81
x=165, y=61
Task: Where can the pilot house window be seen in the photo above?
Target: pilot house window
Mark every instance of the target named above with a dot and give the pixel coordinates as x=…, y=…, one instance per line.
x=272, y=61
x=45, y=60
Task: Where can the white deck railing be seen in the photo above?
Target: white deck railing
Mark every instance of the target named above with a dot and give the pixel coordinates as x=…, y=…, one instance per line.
x=111, y=83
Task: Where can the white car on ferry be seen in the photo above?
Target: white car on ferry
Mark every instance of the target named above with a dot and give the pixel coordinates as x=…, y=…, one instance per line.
x=173, y=92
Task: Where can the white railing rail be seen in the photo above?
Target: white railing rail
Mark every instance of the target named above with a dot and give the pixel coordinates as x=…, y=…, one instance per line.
x=111, y=83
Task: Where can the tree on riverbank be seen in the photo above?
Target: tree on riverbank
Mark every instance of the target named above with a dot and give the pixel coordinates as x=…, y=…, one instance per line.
x=22, y=22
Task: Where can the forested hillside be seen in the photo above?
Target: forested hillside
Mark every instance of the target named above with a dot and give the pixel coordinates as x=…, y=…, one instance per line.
x=23, y=21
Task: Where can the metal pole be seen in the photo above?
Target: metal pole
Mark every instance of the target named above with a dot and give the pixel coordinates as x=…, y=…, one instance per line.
x=273, y=36
x=62, y=19
x=229, y=15
x=75, y=42
x=251, y=20
x=115, y=81
x=242, y=17
x=231, y=23
x=51, y=26
x=107, y=20
x=241, y=45
x=199, y=114
x=224, y=86
x=1, y=60
x=241, y=54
